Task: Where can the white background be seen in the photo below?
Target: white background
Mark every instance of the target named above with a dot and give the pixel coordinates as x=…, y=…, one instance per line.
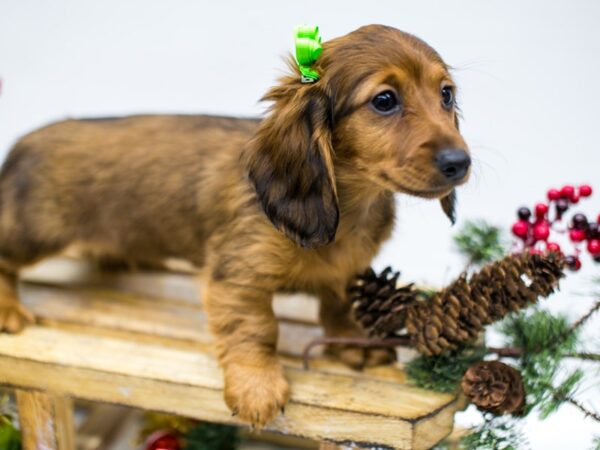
x=527, y=72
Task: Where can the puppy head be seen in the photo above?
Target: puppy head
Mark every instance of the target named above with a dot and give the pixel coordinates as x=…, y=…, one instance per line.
x=382, y=115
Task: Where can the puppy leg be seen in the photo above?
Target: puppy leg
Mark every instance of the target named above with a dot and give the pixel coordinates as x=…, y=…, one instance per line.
x=13, y=315
x=242, y=319
x=336, y=318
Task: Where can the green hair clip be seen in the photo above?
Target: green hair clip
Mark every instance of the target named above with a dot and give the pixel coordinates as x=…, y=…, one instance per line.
x=308, y=50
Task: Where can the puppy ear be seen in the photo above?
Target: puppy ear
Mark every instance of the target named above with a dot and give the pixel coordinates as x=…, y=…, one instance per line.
x=289, y=162
x=448, y=204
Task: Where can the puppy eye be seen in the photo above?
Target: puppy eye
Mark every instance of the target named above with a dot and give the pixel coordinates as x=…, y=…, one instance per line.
x=447, y=97
x=385, y=102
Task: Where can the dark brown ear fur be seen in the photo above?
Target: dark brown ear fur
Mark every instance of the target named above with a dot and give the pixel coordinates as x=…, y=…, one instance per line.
x=289, y=161
x=448, y=203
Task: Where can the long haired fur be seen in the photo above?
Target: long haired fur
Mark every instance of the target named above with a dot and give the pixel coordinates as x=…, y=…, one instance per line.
x=301, y=200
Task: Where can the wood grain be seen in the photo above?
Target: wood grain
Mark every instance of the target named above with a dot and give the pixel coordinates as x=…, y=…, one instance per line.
x=46, y=421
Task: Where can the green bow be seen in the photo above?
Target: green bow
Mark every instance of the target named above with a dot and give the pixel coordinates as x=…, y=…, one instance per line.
x=308, y=50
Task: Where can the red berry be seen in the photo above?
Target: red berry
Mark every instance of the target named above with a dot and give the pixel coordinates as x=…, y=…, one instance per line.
x=594, y=247
x=577, y=235
x=553, y=247
x=520, y=229
x=541, y=209
x=553, y=194
x=567, y=191
x=573, y=263
x=541, y=231
x=163, y=440
x=585, y=190
x=574, y=198
x=598, y=219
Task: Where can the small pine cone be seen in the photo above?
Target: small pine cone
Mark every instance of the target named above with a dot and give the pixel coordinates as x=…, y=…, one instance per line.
x=494, y=386
x=379, y=306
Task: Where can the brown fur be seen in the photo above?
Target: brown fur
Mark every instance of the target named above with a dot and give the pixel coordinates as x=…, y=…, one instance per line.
x=321, y=167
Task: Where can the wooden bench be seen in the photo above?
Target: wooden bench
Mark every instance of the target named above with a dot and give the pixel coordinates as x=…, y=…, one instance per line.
x=139, y=340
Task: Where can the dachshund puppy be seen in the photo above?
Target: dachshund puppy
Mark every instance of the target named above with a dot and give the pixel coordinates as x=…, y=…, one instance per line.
x=301, y=200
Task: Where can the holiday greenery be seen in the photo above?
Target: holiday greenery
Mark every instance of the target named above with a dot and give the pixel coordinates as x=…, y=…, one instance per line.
x=537, y=344
x=167, y=432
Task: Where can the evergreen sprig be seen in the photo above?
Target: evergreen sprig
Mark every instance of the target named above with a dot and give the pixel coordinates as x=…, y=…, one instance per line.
x=211, y=436
x=544, y=340
x=479, y=242
x=497, y=433
x=443, y=372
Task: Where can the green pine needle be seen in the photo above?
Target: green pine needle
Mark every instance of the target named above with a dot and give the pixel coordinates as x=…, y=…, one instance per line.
x=480, y=242
x=443, y=372
x=211, y=436
x=498, y=433
x=596, y=443
x=545, y=340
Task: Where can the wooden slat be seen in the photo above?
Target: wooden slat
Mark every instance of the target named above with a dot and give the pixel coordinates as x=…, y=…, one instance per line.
x=46, y=421
x=171, y=287
x=185, y=382
x=103, y=308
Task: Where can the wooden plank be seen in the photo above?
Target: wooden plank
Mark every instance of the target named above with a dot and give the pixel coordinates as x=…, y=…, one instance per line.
x=46, y=421
x=103, y=308
x=340, y=408
x=172, y=287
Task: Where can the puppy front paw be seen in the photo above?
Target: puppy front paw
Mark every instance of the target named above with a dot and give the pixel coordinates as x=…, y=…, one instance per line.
x=359, y=358
x=256, y=394
x=14, y=317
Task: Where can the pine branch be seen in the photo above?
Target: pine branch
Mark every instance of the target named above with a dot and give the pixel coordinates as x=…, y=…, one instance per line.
x=585, y=356
x=586, y=317
x=515, y=352
x=587, y=413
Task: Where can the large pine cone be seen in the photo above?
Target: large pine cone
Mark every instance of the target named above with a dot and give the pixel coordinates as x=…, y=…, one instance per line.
x=495, y=387
x=379, y=306
x=457, y=314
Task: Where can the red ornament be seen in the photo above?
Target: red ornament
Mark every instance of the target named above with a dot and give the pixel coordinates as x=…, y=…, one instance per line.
x=567, y=191
x=540, y=210
x=585, y=190
x=553, y=194
x=574, y=198
x=553, y=247
x=594, y=247
x=541, y=231
x=163, y=440
x=577, y=235
x=520, y=229
x=598, y=219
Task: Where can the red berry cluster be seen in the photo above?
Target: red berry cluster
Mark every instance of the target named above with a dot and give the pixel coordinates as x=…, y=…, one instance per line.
x=534, y=233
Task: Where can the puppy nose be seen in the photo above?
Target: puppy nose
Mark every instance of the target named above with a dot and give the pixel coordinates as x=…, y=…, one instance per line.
x=453, y=163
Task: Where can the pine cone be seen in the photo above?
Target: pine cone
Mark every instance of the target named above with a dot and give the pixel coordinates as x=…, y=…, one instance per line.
x=379, y=306
x=457, y=314
x=494, y=386
x=460, y=312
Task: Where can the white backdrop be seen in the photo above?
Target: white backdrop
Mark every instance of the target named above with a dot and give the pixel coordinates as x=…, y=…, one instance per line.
x=527, y=73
